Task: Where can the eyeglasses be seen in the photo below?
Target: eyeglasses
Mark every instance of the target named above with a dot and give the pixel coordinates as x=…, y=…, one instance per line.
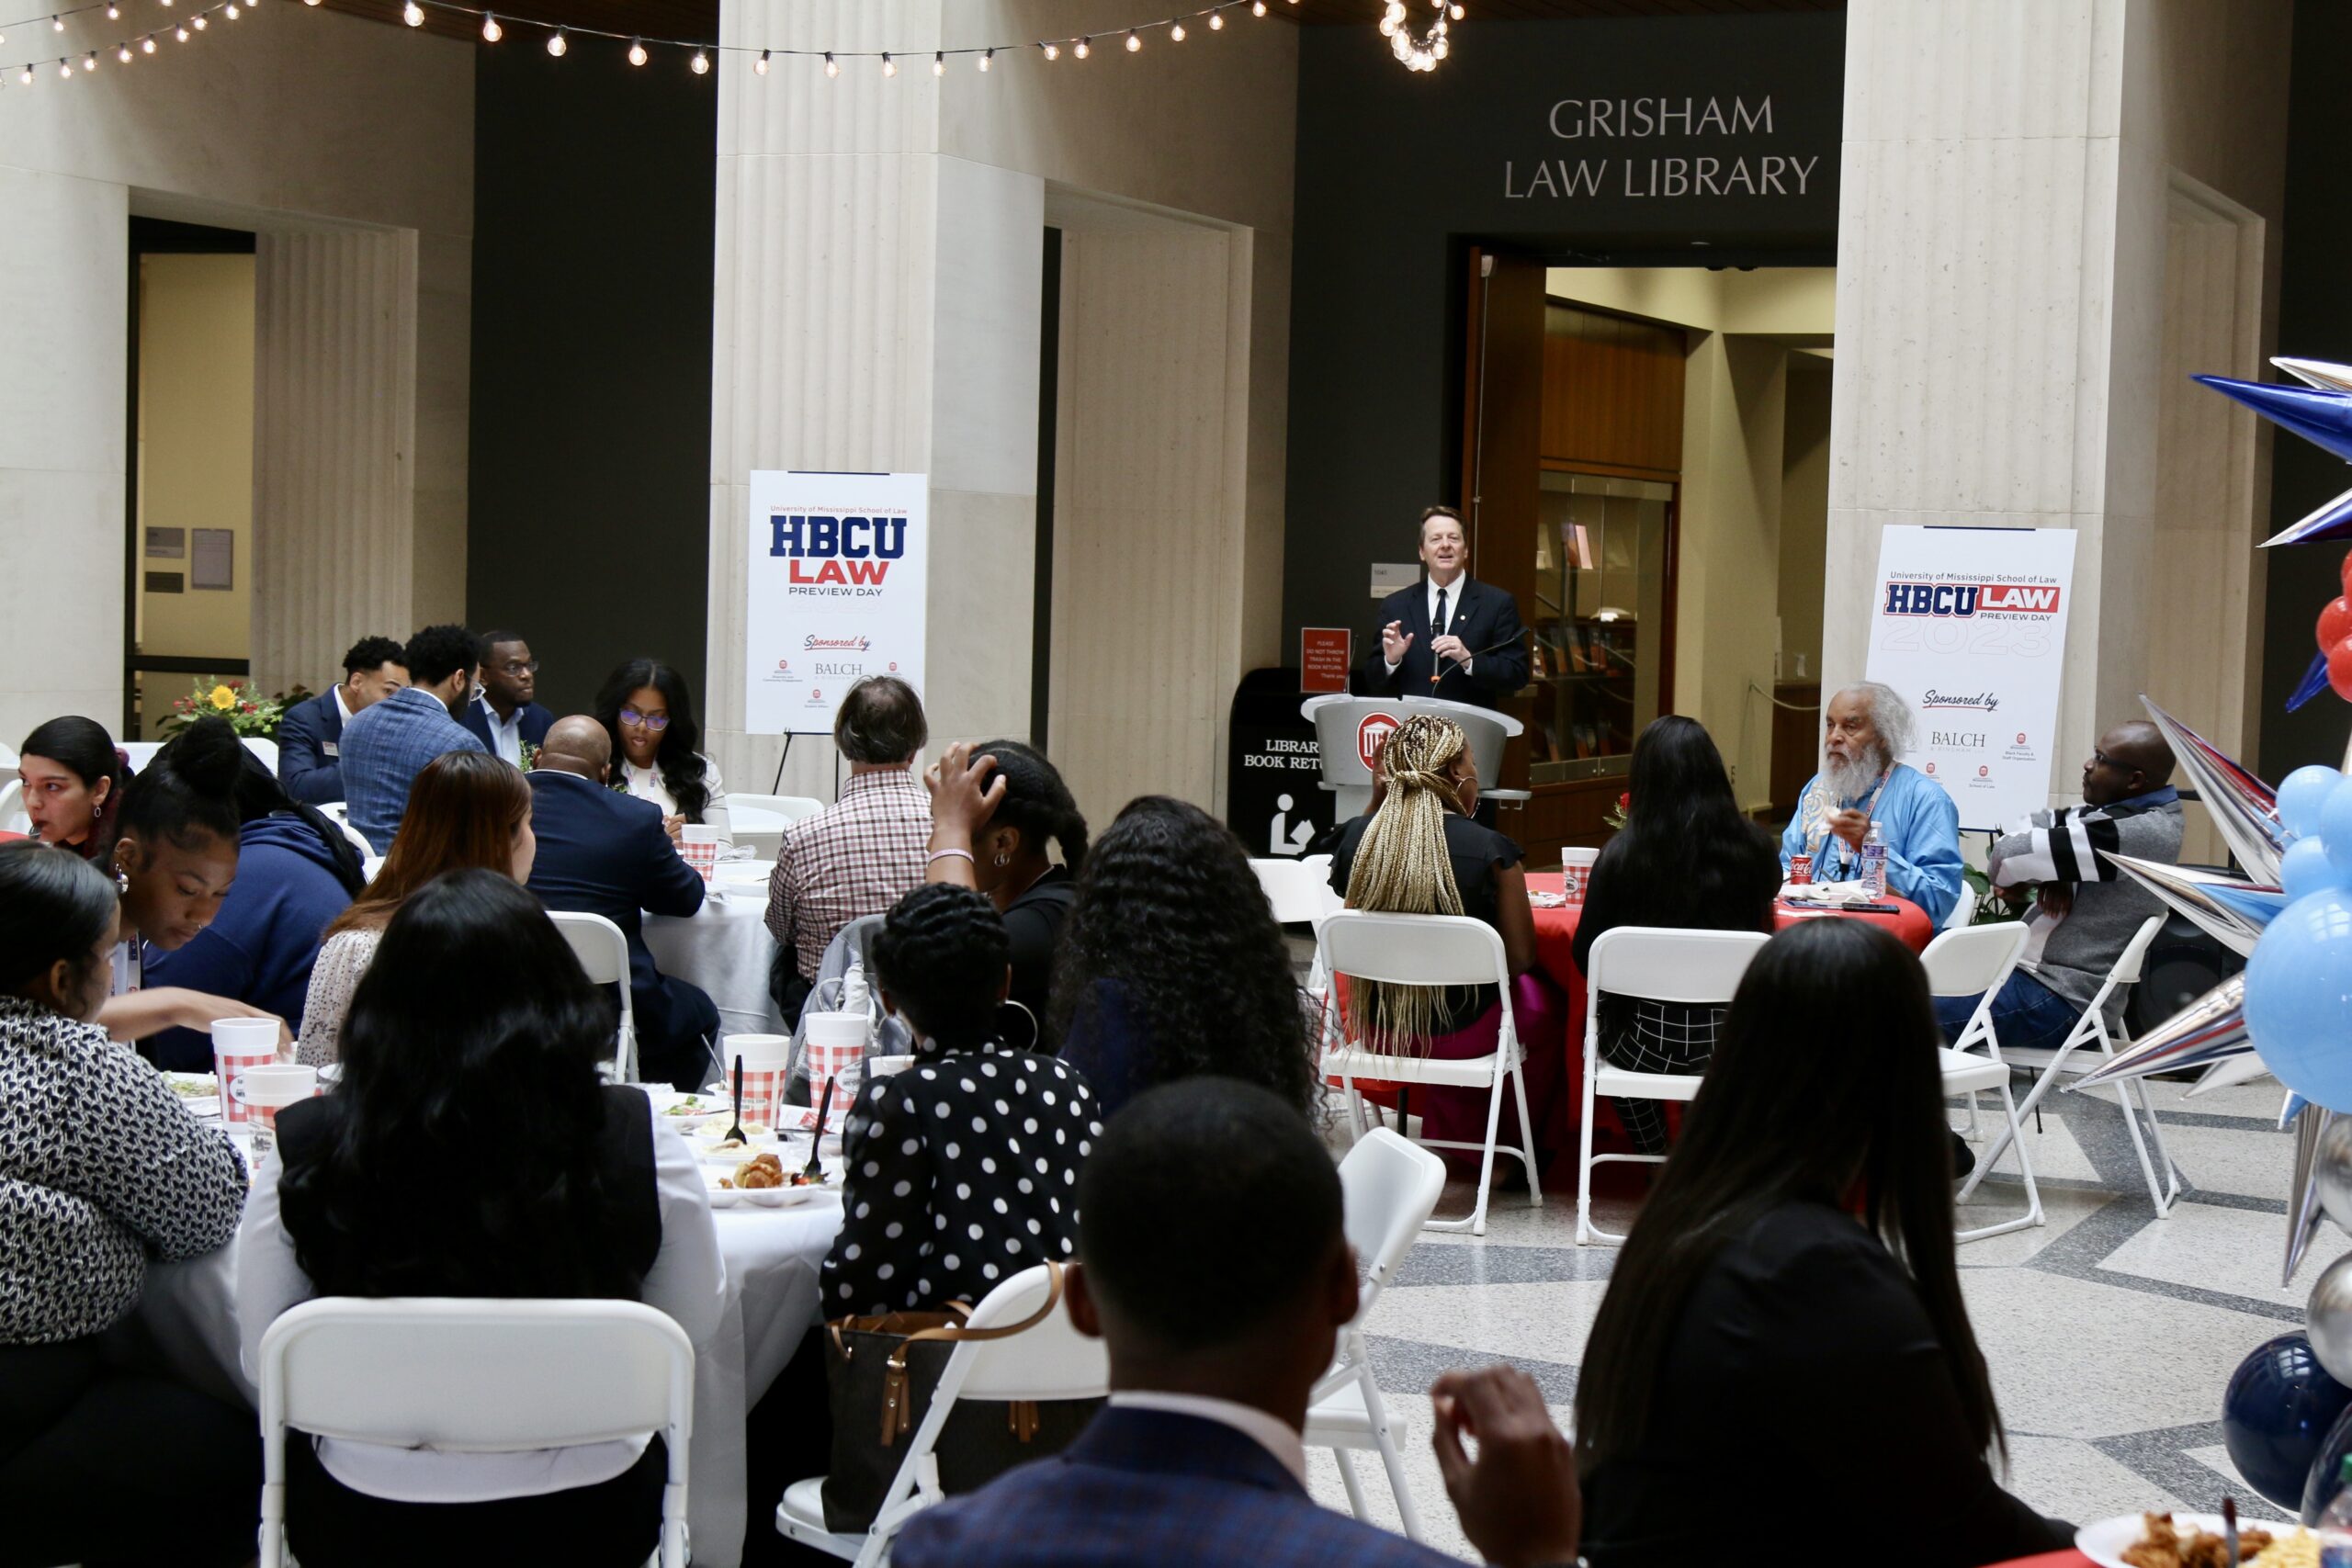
x=658, y=721
x=521, y=667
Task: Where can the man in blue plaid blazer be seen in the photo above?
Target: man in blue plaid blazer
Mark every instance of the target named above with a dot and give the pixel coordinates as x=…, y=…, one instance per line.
x=1214, y=1262
x=388, y=743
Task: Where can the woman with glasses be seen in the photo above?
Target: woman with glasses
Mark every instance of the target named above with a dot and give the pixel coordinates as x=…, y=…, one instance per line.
x=647, y=711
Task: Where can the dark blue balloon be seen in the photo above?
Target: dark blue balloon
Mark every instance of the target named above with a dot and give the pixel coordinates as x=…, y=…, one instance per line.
x=2326, y=1473
x=2276, y=1414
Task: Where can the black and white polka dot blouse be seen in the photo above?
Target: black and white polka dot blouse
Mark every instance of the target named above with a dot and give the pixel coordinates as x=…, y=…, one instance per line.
x=962, y=1171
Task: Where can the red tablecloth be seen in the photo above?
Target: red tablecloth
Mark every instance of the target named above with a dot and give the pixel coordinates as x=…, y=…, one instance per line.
x=1555, y=935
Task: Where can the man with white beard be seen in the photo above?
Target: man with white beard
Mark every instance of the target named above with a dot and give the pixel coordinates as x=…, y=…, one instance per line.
x=1867, y=728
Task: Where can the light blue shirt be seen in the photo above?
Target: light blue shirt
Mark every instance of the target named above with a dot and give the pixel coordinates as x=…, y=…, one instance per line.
x=1919, y=822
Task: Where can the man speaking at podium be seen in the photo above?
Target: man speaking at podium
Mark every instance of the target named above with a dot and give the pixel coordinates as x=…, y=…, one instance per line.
x=1464, y=631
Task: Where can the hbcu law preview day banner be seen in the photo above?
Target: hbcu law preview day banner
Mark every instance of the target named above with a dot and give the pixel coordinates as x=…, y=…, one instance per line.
x=1970, y=626
x=833, y=590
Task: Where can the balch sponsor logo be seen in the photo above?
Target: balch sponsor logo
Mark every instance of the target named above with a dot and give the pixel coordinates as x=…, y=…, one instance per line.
x=1954, y=740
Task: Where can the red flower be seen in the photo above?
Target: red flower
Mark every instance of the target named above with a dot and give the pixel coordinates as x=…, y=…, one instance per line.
x=248, y=707
x=1625, y=802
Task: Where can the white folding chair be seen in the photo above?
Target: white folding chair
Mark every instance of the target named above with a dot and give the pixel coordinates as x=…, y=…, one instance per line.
x=1049, y=1360
x=141, y=752
x=12, y=807
x=1966, y=962
x=1428, y=949
x=1657, y=964
x=1391, y=1187
x=265, y=749
x=2090, y=1031
x=602, y=950
x=475, y=1376
x=759, y=820
x=337, y=812
x=1298, y=891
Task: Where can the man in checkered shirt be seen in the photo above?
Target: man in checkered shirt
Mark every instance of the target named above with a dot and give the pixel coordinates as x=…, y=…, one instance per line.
x=864, y=851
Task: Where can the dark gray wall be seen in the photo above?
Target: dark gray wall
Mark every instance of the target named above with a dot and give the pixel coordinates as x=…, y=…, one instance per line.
x=2314, y=323
x=588, y=495
x=1398, y=173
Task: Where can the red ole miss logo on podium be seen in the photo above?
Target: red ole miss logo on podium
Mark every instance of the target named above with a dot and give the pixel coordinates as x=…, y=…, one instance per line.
x=1371, y=736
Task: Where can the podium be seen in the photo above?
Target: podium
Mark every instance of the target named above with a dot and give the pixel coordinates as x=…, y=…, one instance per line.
x=1351, y=729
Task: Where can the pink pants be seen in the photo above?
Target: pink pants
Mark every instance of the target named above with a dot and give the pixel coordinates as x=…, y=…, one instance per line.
x=1540, y=1010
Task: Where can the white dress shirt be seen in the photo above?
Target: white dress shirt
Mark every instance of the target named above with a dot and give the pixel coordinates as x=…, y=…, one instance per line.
x=1453, y=610
x=1270, y=1433
x=342, y=707
x=505, y=734
x=645, y=784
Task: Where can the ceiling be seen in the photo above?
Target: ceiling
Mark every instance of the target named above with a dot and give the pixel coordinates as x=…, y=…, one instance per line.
x=699, y=18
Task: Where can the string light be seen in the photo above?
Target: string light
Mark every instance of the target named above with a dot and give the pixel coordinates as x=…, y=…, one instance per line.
x=761, y=64
x=199, y=21
x=123, y=54
x=557, y=44
x=1053, y=52
x=889, y=66
x=1422, y=52
x=57, y=24
x=490, y=31
x=147, y=44
x=180, y=34
x=64, y=71
x=26, y=76
x=832, y=67
x=1216, y=21
x=1134, y=44
x=114, y=12
x=701, y=64
x=938, y=62
x=985, y=57
x=636, y=51
x=1176, y=33
x=1083, y=48
x=1257, y=7
x=412, y=14
x=232, y=13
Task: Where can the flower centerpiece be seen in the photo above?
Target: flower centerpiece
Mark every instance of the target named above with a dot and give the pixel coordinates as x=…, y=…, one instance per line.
x=247, y=713
x=1616, y=816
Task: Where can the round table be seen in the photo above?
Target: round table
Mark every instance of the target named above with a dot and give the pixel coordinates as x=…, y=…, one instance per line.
x=725, y=948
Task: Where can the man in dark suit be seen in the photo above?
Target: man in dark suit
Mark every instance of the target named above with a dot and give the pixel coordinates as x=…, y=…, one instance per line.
x=1214, y=1262
x=502, y=715
x=310, y=766
x=1465, y=632
x=606, y=853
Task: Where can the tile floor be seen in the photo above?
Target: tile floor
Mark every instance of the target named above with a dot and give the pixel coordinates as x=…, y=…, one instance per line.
x=2110, y=1333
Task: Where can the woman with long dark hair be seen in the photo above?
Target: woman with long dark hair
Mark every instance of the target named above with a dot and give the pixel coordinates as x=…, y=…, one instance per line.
x=1790, y=1281
x=1165, y=898
x=647, y=709
x=421, y=1177
x=295, y=871
x=1686, y=857
x=104, y=1170
x=994, y=807
x=467, y=811
x=73, y=774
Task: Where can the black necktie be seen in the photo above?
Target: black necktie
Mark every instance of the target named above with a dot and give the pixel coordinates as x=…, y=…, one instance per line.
x=1437, y=621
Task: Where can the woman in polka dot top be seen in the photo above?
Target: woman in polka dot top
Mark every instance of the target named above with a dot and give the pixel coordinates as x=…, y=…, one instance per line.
x=963, y=1169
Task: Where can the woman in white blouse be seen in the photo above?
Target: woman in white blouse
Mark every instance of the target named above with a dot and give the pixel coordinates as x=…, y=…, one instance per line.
x=472, y=1150
x=466, y=809
x=645, y=708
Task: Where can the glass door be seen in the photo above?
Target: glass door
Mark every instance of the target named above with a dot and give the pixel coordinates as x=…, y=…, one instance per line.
x=1604, y=568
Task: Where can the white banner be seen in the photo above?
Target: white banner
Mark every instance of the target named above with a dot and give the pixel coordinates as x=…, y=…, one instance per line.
x=1970, y=626
x=834, y=590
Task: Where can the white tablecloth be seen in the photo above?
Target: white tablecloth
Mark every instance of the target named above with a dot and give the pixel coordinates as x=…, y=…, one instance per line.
x=726, y=950
x=188, y=1315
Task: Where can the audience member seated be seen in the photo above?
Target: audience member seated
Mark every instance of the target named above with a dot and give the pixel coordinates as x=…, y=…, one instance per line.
x=1420, y=854
x=1173, y=966
x=962, y=1170
x=649, y=719
x=295, y=871
x=602, y=853
x=174, y=860
x=1863, y=779
x=994, y=806
x=863, y=853
x=471, y=1151
x=310, y=738
x=72, y=776
x=468, y=812
x=1791, y=1275
x=385, y=748
x=1686, y=857
x=2086, y=911
x=101, y=1169
x=501, y=716
x=1215, y=1266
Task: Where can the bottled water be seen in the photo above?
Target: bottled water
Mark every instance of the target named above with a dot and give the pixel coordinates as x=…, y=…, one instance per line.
x=1874, y=862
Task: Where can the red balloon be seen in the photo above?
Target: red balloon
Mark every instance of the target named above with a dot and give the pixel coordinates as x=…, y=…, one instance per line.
x=2345, y=571
x=2339, y=669
x=2336, y=622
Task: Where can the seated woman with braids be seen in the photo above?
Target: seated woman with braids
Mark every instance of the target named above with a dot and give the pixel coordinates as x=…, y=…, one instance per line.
x=962, y=1170
x=994, y=806
x=1420, y=854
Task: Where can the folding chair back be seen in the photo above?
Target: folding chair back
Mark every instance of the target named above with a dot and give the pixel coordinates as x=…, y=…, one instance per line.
x=1973, y=959
x=602, y=952
x=1413, y=950
x=482, y=1376
x=1298, y=891
x=12, y=807
x=1666, y=964
x=1391, y=1187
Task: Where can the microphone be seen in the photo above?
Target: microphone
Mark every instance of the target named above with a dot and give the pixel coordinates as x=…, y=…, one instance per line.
x=1494, y=648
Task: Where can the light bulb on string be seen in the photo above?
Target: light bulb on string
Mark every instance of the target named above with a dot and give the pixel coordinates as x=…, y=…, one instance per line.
x=180, y=33
x=985, y=56
x=1083, y=48
x=1257, y=7
x=636, y=52
x=889, y=66
x=114, y=12
x=490, y=31
x=57, y=24
x=1216, y=21
x=147, y=44
x=939, y=63
x=231, y=12
x=1458, y=12
x=761, y=64
x=199, y=21
x=89, y=63
x=123, y=54
x=1134, y=44
x=1053, y=50
x=412, y=14
x=559, y=44
x=700, y=63
x=1176, y=32
x=25, y=76
x=832, y=66
x=65, y=71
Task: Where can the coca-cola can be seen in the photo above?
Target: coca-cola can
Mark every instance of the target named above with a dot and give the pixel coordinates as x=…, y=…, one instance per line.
x=1800, y=868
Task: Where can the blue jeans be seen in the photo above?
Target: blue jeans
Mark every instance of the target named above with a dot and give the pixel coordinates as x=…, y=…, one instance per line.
x=2027, y=1014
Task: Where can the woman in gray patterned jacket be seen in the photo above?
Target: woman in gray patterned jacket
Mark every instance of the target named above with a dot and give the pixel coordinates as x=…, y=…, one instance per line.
x=101, y=1169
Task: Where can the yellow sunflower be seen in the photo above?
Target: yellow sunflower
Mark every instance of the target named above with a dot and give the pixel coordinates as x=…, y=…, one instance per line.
x=223, y=698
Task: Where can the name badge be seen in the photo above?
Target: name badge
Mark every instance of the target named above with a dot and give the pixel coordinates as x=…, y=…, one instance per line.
x=329, y=748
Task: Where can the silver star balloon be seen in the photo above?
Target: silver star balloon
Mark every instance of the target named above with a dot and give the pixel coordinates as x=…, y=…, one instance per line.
x=2242, y=807
x=2317, y=373
x=2332, y=519
x=2210, y=1028
x=2303, y=1206
x=2230, y=910
x=2228, y=1074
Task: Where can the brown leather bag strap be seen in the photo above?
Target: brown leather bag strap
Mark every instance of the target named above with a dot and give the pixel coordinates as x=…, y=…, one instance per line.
x=898, y=1405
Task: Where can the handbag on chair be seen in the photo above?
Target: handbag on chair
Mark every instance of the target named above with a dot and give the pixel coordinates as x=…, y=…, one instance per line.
x=880, y=1375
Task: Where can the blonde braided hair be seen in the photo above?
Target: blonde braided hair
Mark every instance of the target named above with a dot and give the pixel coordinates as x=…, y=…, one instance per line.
x=1402, y=868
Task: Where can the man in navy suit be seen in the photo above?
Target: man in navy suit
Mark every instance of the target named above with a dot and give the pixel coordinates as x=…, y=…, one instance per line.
x=1465, y=632
x=310, y=767
x=502, y=715
x=1214, y=1262
x=602, y=853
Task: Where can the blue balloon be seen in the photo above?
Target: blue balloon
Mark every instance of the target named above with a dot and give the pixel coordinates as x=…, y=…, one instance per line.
x=2305, y=869
x=2337, y=809
x=2299, y=996
x=2302, y=794
x=2277, y=1414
